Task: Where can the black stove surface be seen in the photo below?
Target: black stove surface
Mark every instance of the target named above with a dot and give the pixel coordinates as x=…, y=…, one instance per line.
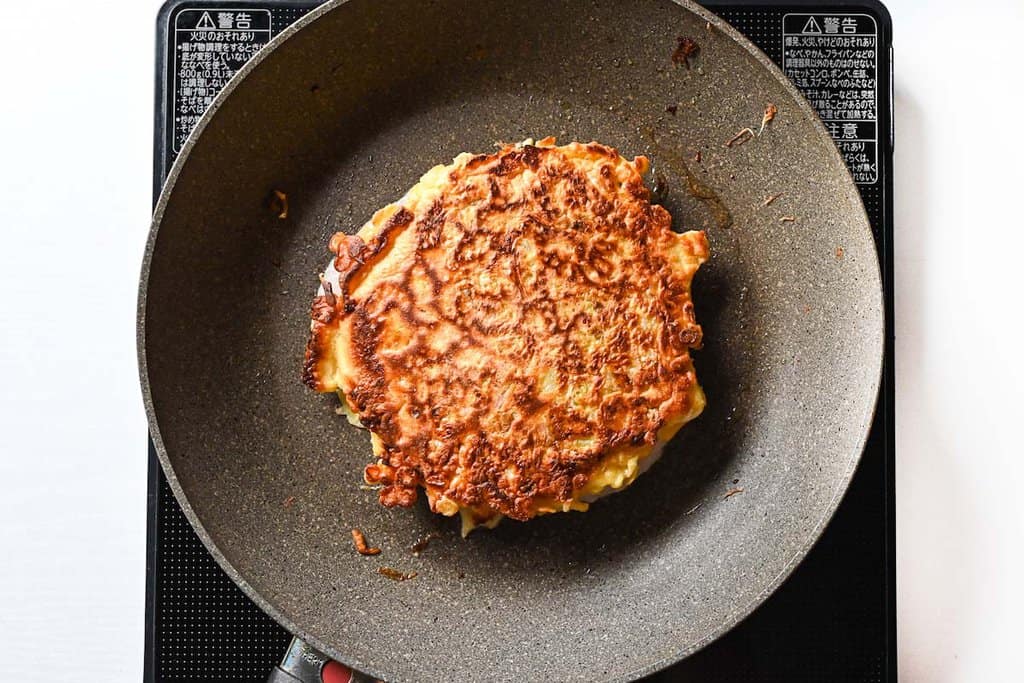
x=833, y=620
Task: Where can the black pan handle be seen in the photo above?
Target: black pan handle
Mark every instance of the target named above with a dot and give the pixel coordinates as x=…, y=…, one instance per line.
x=305, y=664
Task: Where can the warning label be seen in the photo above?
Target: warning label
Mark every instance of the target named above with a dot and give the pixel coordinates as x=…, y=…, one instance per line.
x=833, y=59
x=209, y=47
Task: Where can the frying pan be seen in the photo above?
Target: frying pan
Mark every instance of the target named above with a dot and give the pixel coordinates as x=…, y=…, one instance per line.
x=342, y=113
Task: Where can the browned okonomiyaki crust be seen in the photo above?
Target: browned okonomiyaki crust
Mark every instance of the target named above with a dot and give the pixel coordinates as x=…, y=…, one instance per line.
x=508, y=324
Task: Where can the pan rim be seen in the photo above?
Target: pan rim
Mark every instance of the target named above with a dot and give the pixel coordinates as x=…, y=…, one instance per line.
x=736, y=616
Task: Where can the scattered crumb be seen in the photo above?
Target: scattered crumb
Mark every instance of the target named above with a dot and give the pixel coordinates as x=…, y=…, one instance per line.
x=462, y=575
x=732, y=492
x=359, y=541
x=672, y=109
x=707, y=26
x=806, y=308
x=659, y=188
x=365, y=487
x=735, y=481
x=278, y=203
x=698, y=156
x=287, y=502
x=421, y=545
x=741, y=137
x=686, y=49
x=328, y=291
x=768, y=201
x=788, y=219
x=840, y=253
x=747, y=133
x=693, y=509
x=394, y=574
x=769, y=113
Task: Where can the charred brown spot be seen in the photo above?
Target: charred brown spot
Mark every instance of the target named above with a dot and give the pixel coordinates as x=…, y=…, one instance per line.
x=531, y=156
x=474, y=163
x=399, y=219
x=428, y=230
x=602, y=150
x=515, y=159
x=310, y=376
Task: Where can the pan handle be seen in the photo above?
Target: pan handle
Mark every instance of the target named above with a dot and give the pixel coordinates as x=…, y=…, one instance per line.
x=304, y=664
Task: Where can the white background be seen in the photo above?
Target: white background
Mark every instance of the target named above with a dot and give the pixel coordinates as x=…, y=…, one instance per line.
x=76, y=106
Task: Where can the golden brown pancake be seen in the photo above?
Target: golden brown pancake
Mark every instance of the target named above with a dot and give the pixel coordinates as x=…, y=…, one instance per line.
x=515, y=332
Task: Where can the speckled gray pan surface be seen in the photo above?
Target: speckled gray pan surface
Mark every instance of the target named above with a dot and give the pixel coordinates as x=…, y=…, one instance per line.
x=343, y=115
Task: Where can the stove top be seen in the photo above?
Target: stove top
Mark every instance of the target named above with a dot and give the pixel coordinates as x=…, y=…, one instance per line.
x=833, y=620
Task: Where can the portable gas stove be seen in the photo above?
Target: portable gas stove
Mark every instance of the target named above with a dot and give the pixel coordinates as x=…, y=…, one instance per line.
x=833, y=620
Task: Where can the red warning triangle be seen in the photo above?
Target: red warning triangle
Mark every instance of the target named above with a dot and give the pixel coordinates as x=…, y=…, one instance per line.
x=206, y=23
x=812, y=26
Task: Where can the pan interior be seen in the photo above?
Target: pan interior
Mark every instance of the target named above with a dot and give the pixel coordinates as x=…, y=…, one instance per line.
x=343, y=117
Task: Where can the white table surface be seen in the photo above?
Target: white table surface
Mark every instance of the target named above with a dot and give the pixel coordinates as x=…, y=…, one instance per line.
x=76, y=107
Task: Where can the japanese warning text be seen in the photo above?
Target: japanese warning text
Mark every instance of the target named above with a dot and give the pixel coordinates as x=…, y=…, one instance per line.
x=209, y=47
x=833, y=59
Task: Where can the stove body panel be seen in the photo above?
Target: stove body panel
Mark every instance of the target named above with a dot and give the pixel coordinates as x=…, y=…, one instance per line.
x=834, y=619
